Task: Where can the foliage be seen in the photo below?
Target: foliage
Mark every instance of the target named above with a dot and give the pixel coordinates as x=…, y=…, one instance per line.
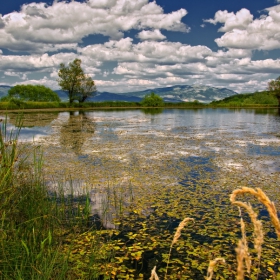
x=73, y=80
x=37, y=93
x=33, y=221
x=246, y=100
x=152, y=100
x=274, y=87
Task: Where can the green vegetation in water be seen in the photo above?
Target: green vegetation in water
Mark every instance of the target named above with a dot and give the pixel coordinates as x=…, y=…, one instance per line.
x=52, y=236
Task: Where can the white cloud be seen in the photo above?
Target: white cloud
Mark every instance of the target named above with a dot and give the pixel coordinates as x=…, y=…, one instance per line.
x=45, y=81
x=45, y=62
x=10, y=73
x=154, y=35
x=231, y=21
x=40, y=28
x=2, y=23
x=151, y=63
x=242, y=32
x=147, y=51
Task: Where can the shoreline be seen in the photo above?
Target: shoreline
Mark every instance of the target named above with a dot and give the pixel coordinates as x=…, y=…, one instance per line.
x=129, y=108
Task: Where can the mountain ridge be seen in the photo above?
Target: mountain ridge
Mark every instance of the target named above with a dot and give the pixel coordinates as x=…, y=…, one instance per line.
x=177, y=93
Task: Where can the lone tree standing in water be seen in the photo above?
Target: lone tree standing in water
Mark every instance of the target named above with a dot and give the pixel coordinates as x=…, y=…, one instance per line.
x=73, y=80
x=274, y=87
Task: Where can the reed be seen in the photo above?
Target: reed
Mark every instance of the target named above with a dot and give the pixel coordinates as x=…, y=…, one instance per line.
x=33, y=221
x=175, y=239
x=263, y=198
x=154, y=275
x=242, y=249
x=212, y=264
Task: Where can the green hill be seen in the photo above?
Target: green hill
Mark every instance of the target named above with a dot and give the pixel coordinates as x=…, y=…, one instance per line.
x=265, y=98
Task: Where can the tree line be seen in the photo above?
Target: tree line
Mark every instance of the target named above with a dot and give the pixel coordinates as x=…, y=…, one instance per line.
x=80, y=86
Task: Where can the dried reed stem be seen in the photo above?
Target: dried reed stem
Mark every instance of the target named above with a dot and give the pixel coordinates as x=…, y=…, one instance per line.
x=211, y=266
x=179, y=230
x=261, y=196
x=246, y=255
x=175, y=239
x=154, y=274
x=242, y=249
x=258, y=232
x=240, y=252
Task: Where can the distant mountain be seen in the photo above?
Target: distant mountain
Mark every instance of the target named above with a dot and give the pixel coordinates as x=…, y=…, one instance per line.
x=204, y=94
x=102, y=96
x=178, y=93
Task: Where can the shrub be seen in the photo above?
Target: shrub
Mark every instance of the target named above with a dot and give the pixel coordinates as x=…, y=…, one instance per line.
x=152, y=100
x=37, y=93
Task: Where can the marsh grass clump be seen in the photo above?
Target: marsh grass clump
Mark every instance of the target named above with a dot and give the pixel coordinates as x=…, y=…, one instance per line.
x=33, y=222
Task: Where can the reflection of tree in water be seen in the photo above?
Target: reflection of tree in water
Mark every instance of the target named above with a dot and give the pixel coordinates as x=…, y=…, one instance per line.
x=75, y=131
x=152, y=111
x=32, y=119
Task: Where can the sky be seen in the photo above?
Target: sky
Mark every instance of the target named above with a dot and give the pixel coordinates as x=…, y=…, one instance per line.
x=132, y=45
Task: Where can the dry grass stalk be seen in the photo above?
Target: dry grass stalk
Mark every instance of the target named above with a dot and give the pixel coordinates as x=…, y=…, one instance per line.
x=258, y=232
x=240, y=252
x=245, y=249
x=261, y=196
x=154, y=274
x=175, y=239
x=211, y=266
x=179, y=230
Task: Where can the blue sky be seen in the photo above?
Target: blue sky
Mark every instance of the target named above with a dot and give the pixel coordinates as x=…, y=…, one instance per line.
x=130, y=45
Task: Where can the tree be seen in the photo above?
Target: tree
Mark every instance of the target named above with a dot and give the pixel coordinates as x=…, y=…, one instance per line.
x=274, y=87
x=73, y=80
x=152, y=100
x=88, y=89
x=37, y=93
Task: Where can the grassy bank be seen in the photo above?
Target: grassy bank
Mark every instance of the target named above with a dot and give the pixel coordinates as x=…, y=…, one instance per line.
x=33, y=221
x=21, y=105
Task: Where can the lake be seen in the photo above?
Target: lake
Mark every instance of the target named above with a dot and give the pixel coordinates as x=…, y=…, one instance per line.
x=158, y=166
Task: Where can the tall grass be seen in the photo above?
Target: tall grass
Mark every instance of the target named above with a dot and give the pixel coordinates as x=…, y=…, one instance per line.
x=33, y=221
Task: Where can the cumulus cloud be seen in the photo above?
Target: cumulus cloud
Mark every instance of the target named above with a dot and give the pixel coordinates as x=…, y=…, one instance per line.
x=152, y=62
x=50, y=28
x=147, y=51
x=44, y=81
x=2, y=23
x=45, y=62
x=244, y=32
x=231, y=21
x=154, y=35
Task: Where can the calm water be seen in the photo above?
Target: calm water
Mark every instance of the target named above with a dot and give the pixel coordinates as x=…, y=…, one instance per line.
x=147, y=170
x=129, y=135
x=217, y=147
